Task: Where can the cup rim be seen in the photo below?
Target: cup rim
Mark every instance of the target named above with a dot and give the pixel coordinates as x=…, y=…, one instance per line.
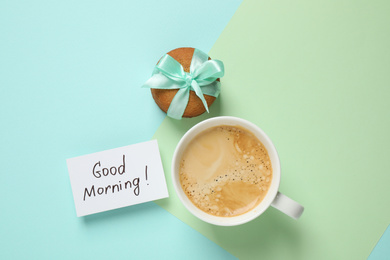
x=261, y=135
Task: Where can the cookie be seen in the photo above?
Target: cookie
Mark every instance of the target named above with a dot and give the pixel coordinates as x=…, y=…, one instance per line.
x=163, y=97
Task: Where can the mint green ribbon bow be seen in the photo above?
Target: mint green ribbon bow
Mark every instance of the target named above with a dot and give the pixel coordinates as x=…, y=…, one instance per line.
x=169, y=74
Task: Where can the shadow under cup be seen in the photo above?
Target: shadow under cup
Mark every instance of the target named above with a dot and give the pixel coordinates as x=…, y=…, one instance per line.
x=275, y=182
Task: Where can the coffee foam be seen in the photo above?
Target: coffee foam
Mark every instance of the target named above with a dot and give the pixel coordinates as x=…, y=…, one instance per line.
x=225, y=171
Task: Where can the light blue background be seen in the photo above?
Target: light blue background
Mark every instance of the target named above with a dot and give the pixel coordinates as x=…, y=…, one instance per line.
x=382, y=249
x=70, y=77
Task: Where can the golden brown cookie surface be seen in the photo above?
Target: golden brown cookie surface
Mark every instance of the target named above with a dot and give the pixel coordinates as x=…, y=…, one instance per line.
x=163, y=97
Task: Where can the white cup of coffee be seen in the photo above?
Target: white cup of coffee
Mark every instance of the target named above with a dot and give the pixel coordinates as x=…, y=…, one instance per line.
x=226, y=171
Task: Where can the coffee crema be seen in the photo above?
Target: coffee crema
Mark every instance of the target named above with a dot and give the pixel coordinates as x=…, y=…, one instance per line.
x=225, y=171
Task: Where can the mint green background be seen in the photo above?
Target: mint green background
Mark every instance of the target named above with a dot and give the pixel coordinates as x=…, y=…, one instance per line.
x=70, y=78
x=315, y=77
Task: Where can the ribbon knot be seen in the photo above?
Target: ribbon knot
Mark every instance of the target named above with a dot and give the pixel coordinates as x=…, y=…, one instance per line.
x=189, y=79
x=202, y=79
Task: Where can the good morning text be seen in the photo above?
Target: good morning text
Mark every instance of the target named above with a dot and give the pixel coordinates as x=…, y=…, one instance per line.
x=99, y=171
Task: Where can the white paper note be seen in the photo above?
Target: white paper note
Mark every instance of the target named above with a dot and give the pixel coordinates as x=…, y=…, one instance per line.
x=117, y=178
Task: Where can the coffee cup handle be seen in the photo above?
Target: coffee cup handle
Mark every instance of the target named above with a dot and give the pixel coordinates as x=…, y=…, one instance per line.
x=288, y=206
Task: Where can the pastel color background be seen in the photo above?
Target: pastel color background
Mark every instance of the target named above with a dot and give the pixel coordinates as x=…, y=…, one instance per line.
x=382, y=249
x=313, y=75
x=70, y=78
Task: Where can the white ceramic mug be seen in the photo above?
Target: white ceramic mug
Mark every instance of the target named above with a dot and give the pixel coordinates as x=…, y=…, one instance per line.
x=273, y=198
